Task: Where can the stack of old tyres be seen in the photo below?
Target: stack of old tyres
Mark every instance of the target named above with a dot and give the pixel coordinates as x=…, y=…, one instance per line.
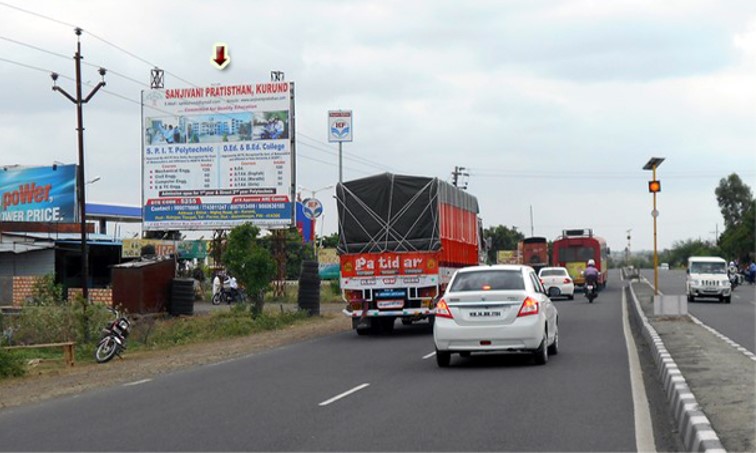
x=308, y=298
x=182, y=297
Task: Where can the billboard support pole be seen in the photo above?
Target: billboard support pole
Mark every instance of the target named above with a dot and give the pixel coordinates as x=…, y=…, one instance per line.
x=81, y=200
x=340, y=173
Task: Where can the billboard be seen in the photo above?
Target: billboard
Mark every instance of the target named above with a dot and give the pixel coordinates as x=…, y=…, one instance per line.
x=339, y=126
x=38, y=194
x=219, y=156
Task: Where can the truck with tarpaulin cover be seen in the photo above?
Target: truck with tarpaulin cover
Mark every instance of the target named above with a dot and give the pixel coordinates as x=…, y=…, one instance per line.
x=400, y=240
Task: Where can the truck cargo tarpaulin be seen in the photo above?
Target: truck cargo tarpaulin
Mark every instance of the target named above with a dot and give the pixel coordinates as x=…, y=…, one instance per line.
x=399, y=213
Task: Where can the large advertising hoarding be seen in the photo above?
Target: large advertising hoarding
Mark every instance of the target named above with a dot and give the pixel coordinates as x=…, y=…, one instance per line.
x=219, y=156
x=38, y=194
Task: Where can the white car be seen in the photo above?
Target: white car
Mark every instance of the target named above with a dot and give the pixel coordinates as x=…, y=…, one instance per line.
x=557, y=282
x=501, y=308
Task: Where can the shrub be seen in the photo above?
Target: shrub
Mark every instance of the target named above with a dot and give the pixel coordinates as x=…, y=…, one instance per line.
x=50, y=324
x=11, y=365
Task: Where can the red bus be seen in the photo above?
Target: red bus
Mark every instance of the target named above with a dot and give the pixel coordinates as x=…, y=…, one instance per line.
x=574, y=248
x=533, y=252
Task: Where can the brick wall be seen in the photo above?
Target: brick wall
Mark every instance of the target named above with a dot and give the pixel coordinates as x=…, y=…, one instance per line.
x=96, y=295
x=23, y=288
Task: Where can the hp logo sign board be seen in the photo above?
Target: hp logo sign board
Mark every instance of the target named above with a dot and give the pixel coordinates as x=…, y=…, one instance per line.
x=312, y=208
x=339, y=126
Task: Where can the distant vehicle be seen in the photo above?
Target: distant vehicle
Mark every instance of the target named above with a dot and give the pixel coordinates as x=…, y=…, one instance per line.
x=533, y=252
x=499, y=308
x=557, y=282
x=574, y=248
x=401, y=238
x=664, y=266
x=707, y=277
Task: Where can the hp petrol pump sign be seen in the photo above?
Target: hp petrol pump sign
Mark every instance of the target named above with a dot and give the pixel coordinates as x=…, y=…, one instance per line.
x=312, y=208
x=339, y=126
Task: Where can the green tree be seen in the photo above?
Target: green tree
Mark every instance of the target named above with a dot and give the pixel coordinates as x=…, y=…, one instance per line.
x=681, y=250
x=250, y=262
x=330, y=241
x=296, y=252
x=502, y=238
x=739, y=241
x=734, y=198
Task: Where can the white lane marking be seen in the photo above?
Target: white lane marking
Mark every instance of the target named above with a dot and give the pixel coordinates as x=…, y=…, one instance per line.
x=345, y=394
x=725, y=338
x=428, y=356
x=137, y=382
x=651, y=285
x=644, y=432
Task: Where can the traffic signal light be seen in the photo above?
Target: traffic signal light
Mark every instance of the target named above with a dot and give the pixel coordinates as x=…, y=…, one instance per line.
x=654, y=186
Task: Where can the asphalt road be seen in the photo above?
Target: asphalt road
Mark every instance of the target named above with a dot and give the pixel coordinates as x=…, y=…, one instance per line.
x=284, y=400
x=736, y=320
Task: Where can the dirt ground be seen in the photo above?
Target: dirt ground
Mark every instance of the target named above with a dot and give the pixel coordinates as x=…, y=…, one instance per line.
x=42, y=384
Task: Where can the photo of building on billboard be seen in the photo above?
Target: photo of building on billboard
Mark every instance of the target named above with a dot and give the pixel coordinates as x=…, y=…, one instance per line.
x=216, y=157
x=229, y=127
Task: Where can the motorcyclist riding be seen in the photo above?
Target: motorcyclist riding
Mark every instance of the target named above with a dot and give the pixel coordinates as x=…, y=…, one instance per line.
x=590, y=273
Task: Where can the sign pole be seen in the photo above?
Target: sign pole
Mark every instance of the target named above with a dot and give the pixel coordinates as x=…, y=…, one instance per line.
x=340, y=171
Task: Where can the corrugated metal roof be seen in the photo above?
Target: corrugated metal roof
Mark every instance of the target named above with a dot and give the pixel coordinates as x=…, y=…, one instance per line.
x=65, y=237
x=18, y=247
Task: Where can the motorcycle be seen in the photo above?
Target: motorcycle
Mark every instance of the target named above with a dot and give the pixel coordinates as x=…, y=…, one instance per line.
x=113, y=339
x=228, y=296
x=590, y=291
x=736, y=280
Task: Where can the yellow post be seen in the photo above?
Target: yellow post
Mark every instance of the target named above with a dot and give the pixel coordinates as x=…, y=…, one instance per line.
x=656, y=256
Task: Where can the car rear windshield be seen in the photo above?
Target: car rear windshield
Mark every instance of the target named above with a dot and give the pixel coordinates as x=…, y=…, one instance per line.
x=488, y=280
x=553, y=272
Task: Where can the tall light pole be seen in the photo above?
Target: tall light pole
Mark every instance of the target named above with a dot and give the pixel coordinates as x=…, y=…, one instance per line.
x=80, y=181
x=654, y=186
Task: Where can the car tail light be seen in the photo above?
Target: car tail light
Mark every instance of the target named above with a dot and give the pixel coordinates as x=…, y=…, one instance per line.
x=442, y=310
x=529, y=307
x=567, y=281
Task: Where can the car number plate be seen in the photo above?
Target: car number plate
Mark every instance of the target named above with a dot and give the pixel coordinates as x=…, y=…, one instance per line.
x=485, y=314
x=390, y=304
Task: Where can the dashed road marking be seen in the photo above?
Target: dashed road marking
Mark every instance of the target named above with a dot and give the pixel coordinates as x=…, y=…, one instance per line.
x=137, y=382
x=428, y=356
x=343, y=395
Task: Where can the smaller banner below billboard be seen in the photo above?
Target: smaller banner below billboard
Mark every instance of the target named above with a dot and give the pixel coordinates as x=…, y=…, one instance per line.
x=132, y=248
x=38, y=194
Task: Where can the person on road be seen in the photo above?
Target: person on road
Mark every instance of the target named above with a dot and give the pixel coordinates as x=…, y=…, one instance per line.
x=752, y=273
x=216, y=284
x=590, y=273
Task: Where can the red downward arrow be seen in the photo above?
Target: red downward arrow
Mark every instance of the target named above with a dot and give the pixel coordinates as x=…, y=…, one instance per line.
x=220, y=55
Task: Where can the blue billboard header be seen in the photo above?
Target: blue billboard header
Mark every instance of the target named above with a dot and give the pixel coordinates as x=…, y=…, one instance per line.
x=38, y=194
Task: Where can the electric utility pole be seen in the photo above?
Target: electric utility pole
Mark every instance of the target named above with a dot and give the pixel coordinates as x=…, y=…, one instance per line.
x=459, y=171
x=81, y=200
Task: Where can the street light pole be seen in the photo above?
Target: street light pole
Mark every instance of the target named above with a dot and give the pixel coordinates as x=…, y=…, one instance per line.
x=80, y=181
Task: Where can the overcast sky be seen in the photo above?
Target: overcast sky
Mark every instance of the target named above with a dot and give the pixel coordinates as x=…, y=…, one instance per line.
x=554, y=105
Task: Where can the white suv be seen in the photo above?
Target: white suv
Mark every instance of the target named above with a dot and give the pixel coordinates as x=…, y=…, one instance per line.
x=707, y=277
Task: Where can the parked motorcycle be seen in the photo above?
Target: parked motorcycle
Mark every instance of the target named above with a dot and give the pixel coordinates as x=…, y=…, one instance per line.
x=113, y=339
x=590, y=291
